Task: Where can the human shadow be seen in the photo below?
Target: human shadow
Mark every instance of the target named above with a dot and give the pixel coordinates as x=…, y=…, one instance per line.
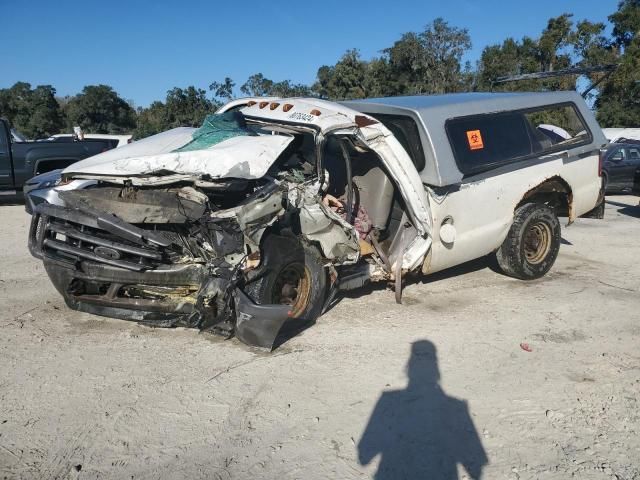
x=421, y=432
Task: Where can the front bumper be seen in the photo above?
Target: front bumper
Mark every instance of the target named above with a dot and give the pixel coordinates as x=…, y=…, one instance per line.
x=98, y=272
x=103, y=266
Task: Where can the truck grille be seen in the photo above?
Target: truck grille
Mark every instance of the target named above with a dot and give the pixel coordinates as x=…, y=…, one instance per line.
x=69, y=240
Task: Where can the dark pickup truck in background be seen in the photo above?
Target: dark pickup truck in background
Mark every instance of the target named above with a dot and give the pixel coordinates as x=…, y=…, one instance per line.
x=19, y=161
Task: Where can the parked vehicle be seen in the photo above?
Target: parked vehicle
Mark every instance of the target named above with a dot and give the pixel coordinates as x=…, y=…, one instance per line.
x=69, y=137
x=621, y=161
x=19, y=161
x=16, y=136
x=260, y=217
x=615, y=135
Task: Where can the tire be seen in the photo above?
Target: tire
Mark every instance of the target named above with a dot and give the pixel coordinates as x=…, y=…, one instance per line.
x=285, y=261
x=532, y=244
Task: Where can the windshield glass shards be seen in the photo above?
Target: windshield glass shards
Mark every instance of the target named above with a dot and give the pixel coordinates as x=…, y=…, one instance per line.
x=216, y=129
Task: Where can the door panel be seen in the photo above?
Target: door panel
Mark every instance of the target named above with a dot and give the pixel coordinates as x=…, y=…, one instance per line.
x=633, y=157
x=615, y=166
x=6, y=177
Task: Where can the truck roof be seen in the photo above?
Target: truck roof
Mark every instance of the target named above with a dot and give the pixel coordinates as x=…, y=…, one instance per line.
x=454, y=104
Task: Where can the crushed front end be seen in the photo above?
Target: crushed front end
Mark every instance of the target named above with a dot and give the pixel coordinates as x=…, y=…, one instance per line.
x=166, y=257
x=233, y=227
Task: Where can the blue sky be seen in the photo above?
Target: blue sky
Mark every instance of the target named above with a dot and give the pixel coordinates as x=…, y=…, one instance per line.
x=143, y=49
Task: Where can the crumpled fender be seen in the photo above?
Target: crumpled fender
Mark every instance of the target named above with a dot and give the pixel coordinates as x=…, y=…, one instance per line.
x=258, y=325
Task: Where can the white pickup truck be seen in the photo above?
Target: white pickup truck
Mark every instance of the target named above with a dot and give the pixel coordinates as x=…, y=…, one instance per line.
x=261, y=216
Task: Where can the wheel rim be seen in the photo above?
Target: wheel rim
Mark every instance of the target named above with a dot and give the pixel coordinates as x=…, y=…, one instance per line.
x=293, y=287
x=537, y=242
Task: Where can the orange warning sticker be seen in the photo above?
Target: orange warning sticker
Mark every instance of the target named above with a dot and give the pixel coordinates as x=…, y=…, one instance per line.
x=475, y=139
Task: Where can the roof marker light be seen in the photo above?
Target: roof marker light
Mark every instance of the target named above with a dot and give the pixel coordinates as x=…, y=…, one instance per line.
x=274, y=105
x=315, y=112
x=286, y=107
x=263, y=104
x=251, y=103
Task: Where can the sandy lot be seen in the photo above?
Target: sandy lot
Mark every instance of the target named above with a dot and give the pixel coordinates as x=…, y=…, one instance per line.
x=435, y=388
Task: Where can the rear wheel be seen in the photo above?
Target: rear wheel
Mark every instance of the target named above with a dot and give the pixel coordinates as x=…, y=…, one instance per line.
x=290, y=273
x=532, y=244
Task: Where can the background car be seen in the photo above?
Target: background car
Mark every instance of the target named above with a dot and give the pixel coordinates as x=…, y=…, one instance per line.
x=122, y=139
x=621, y=161
x=618, y=135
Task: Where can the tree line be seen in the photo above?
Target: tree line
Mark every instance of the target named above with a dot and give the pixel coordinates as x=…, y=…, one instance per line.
x=426, y=62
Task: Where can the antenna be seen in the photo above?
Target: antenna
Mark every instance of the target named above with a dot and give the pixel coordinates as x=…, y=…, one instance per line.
x=607, y=69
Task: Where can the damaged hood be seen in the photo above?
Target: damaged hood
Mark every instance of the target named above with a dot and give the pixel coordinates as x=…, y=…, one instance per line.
x=247, y=157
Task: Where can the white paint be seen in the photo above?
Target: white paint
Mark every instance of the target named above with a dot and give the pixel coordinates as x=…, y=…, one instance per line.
x=239, y=157
x=447, y=233
x=122, y=139
x=483, y=210
x=613, y=134
x=555, y=129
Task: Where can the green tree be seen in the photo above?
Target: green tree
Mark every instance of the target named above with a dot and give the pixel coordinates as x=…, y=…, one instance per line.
x=99, y=109
x=188, y=107
x=34, y=112
x=380, y=80
x=618, y=104
x=151, y=120
x=429, y=61
x=425, y=62
x=258, y=85
x=344, y=80
x=286, y=88
x=223, y=90
x=182, y=108
x=550, y=52
x=500, y=61
x=553, y=44
x=590, y=45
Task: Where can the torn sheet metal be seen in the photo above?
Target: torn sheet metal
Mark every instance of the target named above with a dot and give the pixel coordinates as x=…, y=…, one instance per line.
x=132, y=205
x=256, y=216
x=399, y=165
x=248, y=157
x=337, y=239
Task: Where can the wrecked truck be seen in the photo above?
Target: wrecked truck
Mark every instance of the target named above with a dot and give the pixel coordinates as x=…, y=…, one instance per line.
x=257, y=220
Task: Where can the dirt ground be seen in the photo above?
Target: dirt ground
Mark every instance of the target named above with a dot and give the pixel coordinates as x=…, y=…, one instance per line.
x=434, y=388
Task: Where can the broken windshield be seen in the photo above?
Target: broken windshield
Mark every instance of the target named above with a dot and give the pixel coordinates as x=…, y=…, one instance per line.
x=216, y=129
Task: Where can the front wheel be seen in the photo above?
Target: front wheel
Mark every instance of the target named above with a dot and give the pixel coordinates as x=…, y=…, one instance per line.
x=290, y=273
x=532, y=244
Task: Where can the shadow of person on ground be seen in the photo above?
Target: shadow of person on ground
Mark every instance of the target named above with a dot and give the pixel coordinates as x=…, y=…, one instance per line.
x=421, y=432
